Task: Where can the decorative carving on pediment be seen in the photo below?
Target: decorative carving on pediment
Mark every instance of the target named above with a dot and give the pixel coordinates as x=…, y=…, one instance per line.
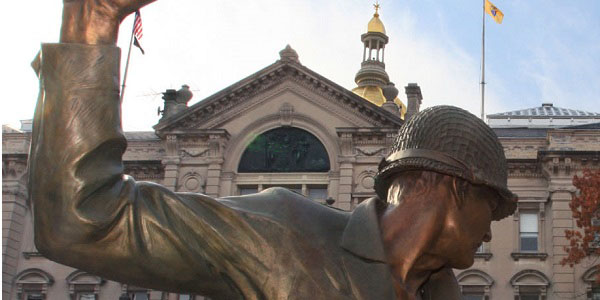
x=193, y=153
x=567, y=166
x=192, y=182
x=13, y=167
x=286, y=114
x=366, y=180
x=525, y=169
x=171, y=145
x=346, y=143
x=145, y=170
x=366, y=151
x=216, y=144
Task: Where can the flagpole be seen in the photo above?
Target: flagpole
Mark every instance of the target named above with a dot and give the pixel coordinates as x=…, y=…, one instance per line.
x=127, y=63
x=483, y=63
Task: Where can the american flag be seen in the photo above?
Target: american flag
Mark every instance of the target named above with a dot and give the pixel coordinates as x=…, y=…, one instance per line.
x=138, y=31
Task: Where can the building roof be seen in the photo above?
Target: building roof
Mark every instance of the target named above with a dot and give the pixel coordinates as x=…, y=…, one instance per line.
x=140, y=135
x=521, y=132
x=584, y=126
x=8, y=129
x=547, y=110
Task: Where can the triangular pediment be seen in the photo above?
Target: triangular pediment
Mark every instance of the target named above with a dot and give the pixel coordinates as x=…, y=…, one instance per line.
x=294, y=80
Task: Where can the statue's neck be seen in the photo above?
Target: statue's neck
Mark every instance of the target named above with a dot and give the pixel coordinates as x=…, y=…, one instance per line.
x=408, y=232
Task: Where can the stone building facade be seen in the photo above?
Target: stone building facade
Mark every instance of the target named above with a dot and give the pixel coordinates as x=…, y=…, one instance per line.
x=288, y=126
x=545, y=147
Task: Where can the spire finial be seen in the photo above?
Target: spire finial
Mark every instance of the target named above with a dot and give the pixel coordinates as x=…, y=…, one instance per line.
x=376, y=5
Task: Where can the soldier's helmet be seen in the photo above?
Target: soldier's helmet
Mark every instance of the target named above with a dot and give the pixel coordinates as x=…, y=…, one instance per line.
x=451, y=141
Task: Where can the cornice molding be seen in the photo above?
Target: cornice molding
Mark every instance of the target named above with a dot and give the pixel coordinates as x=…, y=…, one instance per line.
x=233, y=100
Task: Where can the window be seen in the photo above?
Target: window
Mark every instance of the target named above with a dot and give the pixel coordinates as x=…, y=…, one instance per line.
x=530, y=285
x=595, y=294
x=317, y=193
x=473, y=296
x=247, y=190
x=529, y=296
x=475, y=284
x=528, y=232
x=32, y=284
x=134, y=293
x=139, y=295
x=84, y=286
x=593, y=288
x=186, y=297
x=481, y=249
x=284, y=149
x=86, y=296
x=34, y=296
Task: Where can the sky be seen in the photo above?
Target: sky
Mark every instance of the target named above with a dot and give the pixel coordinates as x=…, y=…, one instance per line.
x=544, y=51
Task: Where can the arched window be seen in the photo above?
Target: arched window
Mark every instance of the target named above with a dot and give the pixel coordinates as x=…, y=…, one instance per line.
x=32, y=284
x=530, y=285
x=593, y=288
x=284, y=149
x=475, y=284
x=84, y=286
x=130, y=292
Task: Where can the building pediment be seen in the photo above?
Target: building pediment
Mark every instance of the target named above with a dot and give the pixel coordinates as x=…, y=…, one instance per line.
x=284, y=76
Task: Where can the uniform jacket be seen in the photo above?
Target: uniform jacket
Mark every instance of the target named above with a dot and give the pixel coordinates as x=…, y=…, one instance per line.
x=89, y=215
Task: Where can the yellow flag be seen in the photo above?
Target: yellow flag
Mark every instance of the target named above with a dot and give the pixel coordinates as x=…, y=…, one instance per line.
x=493, y=11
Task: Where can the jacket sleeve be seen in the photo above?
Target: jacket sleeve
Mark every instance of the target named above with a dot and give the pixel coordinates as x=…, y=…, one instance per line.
x=91, y=216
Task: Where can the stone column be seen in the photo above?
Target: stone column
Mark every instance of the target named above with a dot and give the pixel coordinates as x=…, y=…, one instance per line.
x=561, y=189
x=14, y=208
x=346, y=159
x=345, y=186
x=564, y=276
x=226, y=187
x=213, y=177
x=171, y=162
x=215, y=164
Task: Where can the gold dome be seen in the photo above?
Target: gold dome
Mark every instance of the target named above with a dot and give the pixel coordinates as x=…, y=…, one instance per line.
x=375, y=25
x=374, y=94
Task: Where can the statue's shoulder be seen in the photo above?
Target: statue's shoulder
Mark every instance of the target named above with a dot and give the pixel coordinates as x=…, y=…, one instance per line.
x=284, y=203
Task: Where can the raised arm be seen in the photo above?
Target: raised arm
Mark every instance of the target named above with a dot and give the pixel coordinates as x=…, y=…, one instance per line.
x=89, y=215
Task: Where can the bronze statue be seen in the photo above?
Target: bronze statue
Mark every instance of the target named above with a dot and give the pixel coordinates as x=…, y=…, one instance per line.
x=438, y=193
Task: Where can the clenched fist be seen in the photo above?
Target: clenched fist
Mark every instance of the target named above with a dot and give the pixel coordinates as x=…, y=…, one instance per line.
x=95, y=21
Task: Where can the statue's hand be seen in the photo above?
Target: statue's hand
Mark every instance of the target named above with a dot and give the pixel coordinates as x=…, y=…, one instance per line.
x=95, y=21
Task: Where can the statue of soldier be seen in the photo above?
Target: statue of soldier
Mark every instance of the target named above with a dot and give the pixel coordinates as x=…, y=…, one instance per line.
x=438, y=192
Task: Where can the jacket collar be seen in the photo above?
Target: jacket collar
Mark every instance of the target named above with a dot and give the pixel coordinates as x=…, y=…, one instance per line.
x=362, y=236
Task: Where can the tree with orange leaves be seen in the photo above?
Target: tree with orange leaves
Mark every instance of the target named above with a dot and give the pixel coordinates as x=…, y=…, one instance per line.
x=585, y=205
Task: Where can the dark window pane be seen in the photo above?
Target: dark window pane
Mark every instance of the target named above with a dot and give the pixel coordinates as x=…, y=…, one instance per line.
x=86, y=296
x=596, y=293
x=317, y=194
x=529, y=243
x=472, y=297
x=529, y=297
x=248, y=190
x=481, y=249
x=291, y=187
x=285, y=149
x=139, y=296
x=34, y=296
